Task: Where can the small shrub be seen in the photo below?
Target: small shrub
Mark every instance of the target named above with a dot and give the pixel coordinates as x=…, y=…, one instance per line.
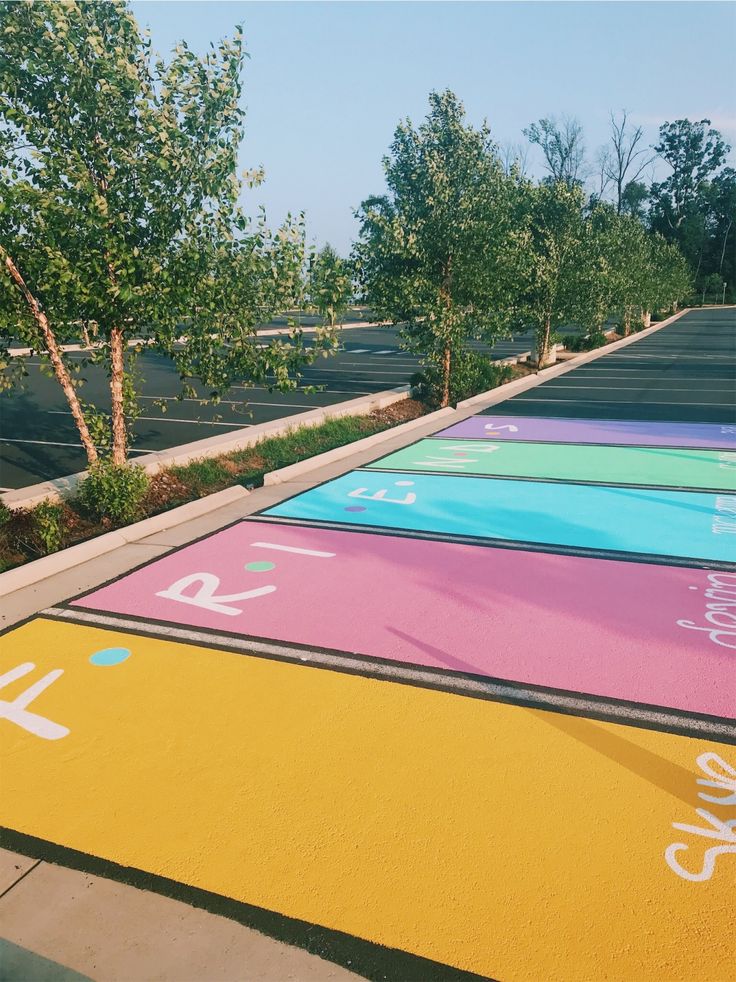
x=5, y=514
x=113, y=492
x=47, y=526
x=471, y=373
x=585, y=342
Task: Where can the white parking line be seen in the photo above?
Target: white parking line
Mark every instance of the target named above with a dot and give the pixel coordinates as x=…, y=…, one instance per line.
x=166, y=419
x=633, y=388
x=630, y=375
x=365, y=371
x=299, y=552
x=328, y=392
x=596, y=402
x=56, y=443
x=239, y=402
x=682, y=356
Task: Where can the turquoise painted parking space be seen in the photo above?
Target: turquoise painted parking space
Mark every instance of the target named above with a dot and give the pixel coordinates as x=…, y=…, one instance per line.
x=687, y=525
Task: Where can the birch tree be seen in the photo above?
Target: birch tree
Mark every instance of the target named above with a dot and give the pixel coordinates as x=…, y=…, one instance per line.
x=560, y=286
x=120, y=213
x=442, y=251
x=329, y=285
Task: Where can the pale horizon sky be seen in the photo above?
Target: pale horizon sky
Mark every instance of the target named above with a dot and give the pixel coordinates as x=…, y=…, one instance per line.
x=327, y=82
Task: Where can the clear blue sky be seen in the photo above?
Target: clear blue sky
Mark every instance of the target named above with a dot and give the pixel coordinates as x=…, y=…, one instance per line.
x=327, y=82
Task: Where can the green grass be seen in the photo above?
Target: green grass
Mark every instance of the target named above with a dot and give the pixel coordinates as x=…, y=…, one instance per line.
x=248, y=466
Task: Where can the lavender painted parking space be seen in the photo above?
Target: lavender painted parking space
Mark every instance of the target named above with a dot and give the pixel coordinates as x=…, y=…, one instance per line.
x=635, y=433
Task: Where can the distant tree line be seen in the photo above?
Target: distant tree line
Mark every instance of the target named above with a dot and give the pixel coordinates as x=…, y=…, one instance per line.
x=693, y=206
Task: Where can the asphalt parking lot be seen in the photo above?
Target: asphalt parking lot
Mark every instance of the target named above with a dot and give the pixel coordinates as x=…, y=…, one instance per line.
x=38, y=440
x=501, y=646
x=684, y=373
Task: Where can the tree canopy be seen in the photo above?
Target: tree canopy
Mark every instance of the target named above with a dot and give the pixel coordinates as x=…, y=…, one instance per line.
x=329, y=285
x=120, y=212
x=442, y=250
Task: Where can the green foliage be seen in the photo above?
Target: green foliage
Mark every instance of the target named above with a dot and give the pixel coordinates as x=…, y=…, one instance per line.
x=634, y=199
x=694, y=153
x=113, y=492
x=248, y=466
x=472, y=373
x=561, y=282
x=695, y=206
x=329, y=285
x=5, y=514
x=48, y=528
x=585, y=342
x=120, y=204
x=442, y=250
x=202, y=475
x=712, y=288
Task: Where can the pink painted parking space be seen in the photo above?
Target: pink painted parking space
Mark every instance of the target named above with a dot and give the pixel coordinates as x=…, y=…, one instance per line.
x=626, y=631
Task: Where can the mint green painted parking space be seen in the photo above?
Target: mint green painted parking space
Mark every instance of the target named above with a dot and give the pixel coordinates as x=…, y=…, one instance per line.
x=647, y=466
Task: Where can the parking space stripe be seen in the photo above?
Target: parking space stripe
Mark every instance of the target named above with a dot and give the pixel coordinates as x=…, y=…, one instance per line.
x=491, y=426
x=165, y=418
x=56, y=443
x=660, y=467
x=651, y=717
x=685, y=524
x=409, y=616
x=727, y=406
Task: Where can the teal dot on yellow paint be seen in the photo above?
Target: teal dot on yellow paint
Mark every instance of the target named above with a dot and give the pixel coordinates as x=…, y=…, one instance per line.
x=110, y=656
x=261, y=567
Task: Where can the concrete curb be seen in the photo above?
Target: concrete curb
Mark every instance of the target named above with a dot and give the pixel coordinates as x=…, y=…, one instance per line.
x=250, y=436
x=135, y=342
x=339, y=453
x=502, y=392
x=349, y=326
x=212, y=446
x=40, y=569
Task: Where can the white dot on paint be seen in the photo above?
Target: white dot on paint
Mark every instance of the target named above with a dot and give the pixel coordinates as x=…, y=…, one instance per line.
x=403, y=484
x=692, y=588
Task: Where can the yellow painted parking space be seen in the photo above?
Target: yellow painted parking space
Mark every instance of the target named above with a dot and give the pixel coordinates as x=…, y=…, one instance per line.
x=511, y=842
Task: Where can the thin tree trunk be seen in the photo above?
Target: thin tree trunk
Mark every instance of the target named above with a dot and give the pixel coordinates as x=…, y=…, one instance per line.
x=60, y=369
x=723, y=250
x=627, y=322
x=446, y=365
x=542, y=343
x=117, y=374
x=700, y=254
x=446, y=296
